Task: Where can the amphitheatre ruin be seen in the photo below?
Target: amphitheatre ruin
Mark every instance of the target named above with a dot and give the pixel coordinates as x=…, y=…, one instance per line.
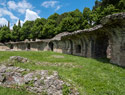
x=106, y=40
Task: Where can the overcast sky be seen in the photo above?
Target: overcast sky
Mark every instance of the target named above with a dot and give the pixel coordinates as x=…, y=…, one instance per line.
x=13, y=10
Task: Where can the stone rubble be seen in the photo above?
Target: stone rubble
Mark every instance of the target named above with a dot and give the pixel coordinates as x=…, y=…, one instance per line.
x=39, y=81
x=18, y=59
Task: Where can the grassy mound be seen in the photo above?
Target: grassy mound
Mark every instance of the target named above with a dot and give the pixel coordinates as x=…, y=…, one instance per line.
x=89, y=76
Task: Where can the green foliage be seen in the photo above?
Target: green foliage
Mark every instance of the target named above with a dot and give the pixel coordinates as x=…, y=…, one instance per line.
x=87, y=14
x=70, y=24
x=54, y=16
x=44, y=93
x=121, y=5
x=15, y=35
x=10, y=91
x=37, y=28
x=48, y=29
x=43, y=28
x=66, y=90
x=25, y=31
x=5, y=34
x=110, y=9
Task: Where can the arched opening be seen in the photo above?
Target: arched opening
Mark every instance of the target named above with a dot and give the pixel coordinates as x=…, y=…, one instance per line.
x=51, y=46
x=28, y=46
x=100, y=47
x=11, y=46
x=71, y=46
x=78, y=48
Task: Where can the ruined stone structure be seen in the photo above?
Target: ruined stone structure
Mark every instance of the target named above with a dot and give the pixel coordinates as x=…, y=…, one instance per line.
x=35, y=81
x=3, y=47
x=104, y=40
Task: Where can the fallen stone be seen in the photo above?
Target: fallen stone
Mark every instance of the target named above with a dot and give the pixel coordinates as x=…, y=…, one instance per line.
x=18, y=59
x=57, y=56
x=39, y=81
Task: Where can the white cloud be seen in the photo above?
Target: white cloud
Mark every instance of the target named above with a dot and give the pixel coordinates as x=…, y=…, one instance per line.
x=48, y=4
x=3, y=21
x=12, y=5
x=3, y=2
x=58, y=7
x=38, y=11
x=31, y=15
x=21, y=6
x=4, y=12
x=51, y=4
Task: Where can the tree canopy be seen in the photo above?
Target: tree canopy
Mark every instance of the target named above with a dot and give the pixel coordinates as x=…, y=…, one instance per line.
x=43, y=28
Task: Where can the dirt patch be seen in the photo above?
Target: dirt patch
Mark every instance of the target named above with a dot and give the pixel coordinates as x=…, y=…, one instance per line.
x=57, y=56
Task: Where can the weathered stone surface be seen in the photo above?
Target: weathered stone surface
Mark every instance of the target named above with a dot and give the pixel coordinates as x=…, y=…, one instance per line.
x=2, y=77
x=57, y=56
x=68, y=65
x=2, y=68
x=18, y=59
x=39, y=81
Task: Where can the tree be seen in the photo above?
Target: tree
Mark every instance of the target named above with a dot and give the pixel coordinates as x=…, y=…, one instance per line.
x=54, y=16
x=76, y=13
x=87, y=14
x=19, y=24
x=109, y=10
x=61, y=17
x=97, y=4
x=49, y=29
x=37, y=28
x=108, y=2
x=69, y=24
x=15, y=33
x=8, y=24
x=5, y=34
x=25, y=31
x=121, y=5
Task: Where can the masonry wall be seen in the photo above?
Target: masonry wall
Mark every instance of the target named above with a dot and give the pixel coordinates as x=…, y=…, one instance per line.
x=39, y=46
x=87, y=45
x=105, y=40
x=3, y=47
x=29, y=46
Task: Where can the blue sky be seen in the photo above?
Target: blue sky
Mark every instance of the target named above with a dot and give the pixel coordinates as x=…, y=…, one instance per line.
x=13, y=10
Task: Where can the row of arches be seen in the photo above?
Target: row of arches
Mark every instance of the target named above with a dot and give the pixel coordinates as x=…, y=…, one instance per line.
x=88, y=46
x=26, y=46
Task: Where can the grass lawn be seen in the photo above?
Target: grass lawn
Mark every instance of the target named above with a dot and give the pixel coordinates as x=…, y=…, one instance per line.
x=89, y=76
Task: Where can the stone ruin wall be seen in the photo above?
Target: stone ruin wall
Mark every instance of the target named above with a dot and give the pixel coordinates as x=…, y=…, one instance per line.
x=3, y=47
x=101, y=41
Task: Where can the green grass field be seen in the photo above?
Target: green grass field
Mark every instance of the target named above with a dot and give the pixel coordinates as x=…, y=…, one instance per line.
x=89, y=76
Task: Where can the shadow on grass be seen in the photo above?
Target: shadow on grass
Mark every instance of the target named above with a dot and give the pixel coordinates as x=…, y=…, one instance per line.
x=103, y=60
x=107, y=61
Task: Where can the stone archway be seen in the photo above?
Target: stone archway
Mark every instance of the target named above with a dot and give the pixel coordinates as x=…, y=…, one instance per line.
x=11, y=46
x=28, y=46
x=71, y=46
x=78, y=48
x=51, y=45
x=101, y=45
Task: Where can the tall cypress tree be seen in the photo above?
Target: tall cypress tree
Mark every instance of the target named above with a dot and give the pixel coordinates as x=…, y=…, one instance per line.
x=9, y=24
x=19, y=24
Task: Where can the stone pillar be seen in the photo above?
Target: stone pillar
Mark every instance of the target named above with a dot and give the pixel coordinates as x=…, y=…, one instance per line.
x=118, y=46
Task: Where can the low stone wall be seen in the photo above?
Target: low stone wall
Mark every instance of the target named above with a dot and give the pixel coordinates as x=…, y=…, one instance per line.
x=3, y=47
x=26, y=46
